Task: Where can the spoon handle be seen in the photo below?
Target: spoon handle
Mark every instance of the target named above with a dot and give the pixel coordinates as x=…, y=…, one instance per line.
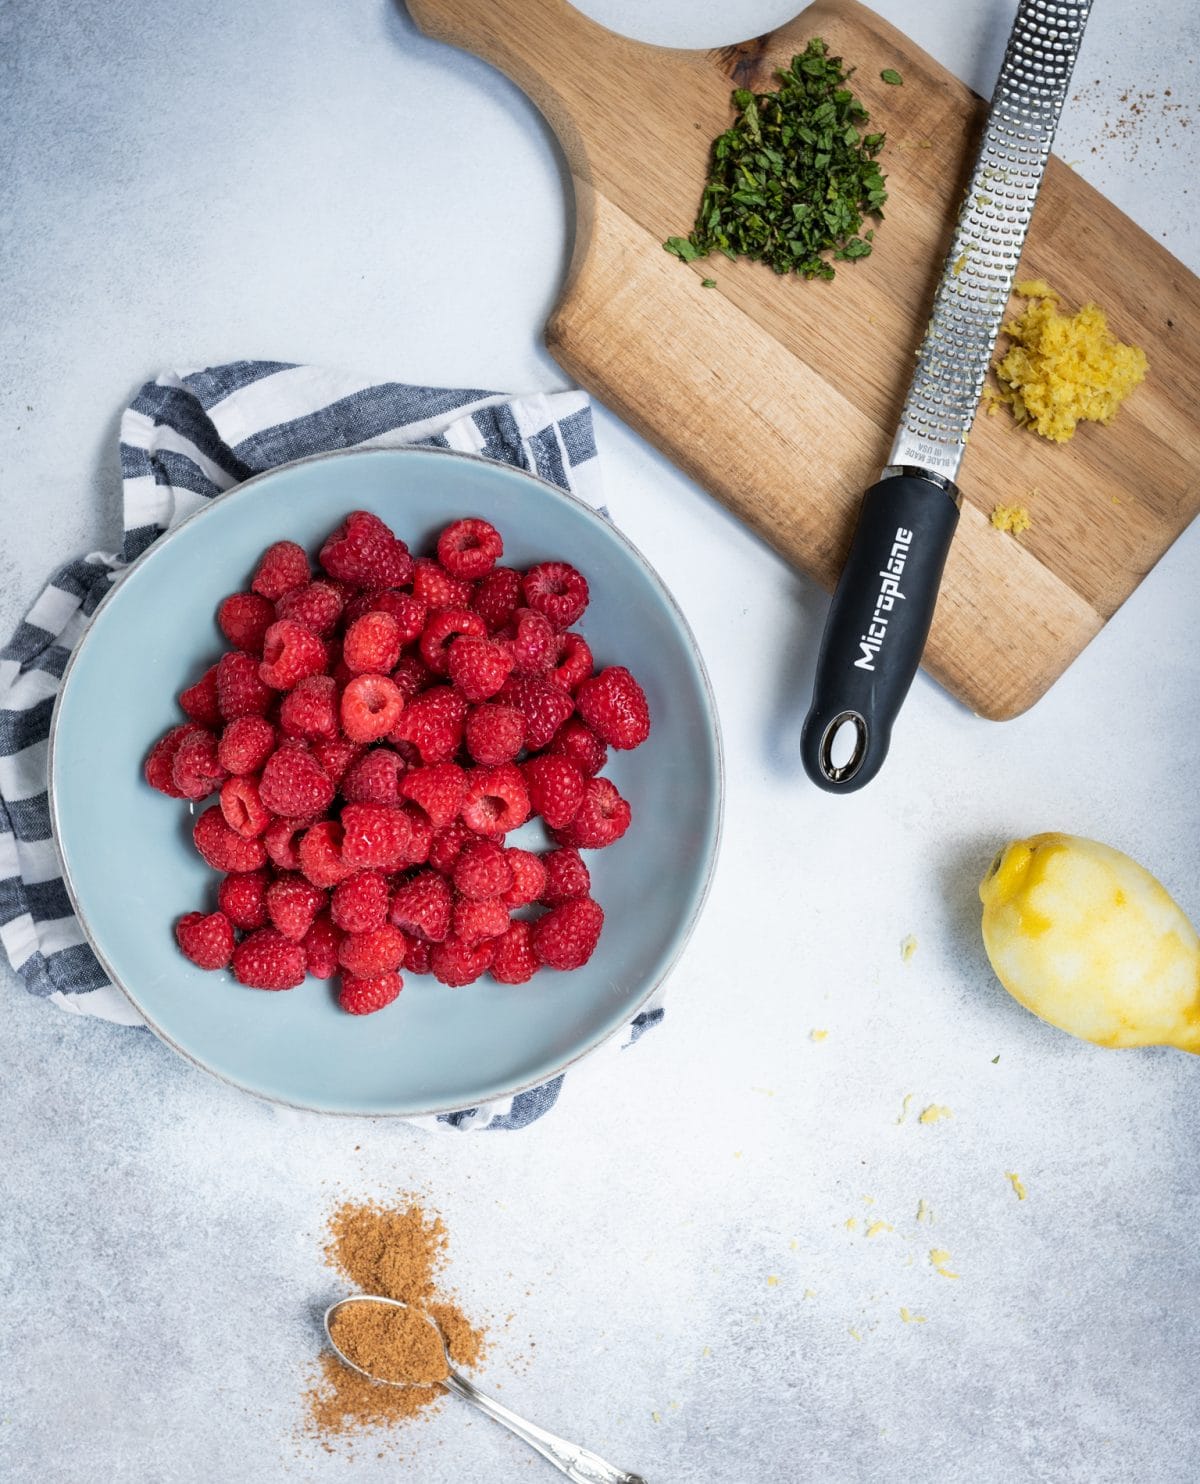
x=569, y=1458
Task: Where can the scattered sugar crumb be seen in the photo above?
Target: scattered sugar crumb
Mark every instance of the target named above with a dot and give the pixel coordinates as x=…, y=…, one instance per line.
x=910, y=1318
x=1016, y=1182
x=925, y=1212
x=877, y=1228
x=817, y=1035
x=939, y=1257
x=1012, y=518
x=904, y=1107
x=935, y=1113
x=908, y=946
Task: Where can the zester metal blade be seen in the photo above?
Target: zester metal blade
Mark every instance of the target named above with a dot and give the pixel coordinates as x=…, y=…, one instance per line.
x=982, y=262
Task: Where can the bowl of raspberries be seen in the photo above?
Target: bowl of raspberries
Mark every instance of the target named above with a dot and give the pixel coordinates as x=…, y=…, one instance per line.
x=388, y=782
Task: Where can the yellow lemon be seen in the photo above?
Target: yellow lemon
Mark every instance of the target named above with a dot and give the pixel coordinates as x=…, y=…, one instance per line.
x=1091, y=942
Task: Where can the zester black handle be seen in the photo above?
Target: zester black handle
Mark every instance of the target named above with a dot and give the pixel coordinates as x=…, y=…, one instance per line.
x=877, y=626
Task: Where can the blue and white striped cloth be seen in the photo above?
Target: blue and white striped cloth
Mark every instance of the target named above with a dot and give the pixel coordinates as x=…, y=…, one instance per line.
x=185, y=438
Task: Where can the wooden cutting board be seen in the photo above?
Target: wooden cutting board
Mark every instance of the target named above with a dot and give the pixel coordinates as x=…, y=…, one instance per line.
x=781, y=396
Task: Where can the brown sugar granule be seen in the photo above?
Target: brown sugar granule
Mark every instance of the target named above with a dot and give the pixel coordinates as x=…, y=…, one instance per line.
x=398, y=1345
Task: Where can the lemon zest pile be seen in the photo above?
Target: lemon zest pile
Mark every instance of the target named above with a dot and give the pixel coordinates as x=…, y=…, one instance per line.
x=939, y=1257
x=1014, y=518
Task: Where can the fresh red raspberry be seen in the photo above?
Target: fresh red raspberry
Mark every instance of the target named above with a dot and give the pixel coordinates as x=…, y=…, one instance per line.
x=494, y=734
x=380, y=951
x=336, y=755
x=416, y=852
x=282, y=839
x=223, y=848
x=321, y=944
x=374, y=836
x=372, y=644
x=433, y=723
x=416, y=956
x=447, y=846
x=557, y=590
x=364, y=551
x=479, y=667
x=614, y=705
x=371, y=708
x=481, y=872
x=317, y=605
x=572, y=662
x=200, y=701
x=283, y=567
x=544, y=705
x=244, y=619
x=293, y=784
x=497, y=596
x=361, y=902
x=469, y=548
x=422, y=906
x=197, y=771
x=514, y=961
x=290, y=652
x=159, y=767
x=311, y=709
x=410, y=613
x=206, y=940
x=496, y=800
x=443, y=627
x=292, y=905
x=357, y=604
x=320, y=854
x=242, y=807
x=243, y=899
x=578, y=742
x=434, y=586
x=246, y=744
x=411, y=676
x=528, y=878
x=556, y=788
x=534, y=644
x=566, y=876
x=365, y=996
x=268, y=960
x=241, y=691
x=455, y=963
x=474, y=921
x=602, y=818
x=374, y=778
x=567, y=936
x=438, y=789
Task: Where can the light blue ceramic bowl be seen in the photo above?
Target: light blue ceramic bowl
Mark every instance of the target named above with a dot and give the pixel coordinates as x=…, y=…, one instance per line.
x=131, y=868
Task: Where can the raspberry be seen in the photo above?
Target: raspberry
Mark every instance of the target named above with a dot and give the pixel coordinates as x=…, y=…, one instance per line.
x=496, y=800
x=528, y=878
x=416, y=852
x=321, y=944
x=444, y=626
x=268, y=960
x=416, y=957
x=481, y=872
x=365, y=996
x=283, y=567
x=572, y=662
x=199, y=701
x=614, y=705
x=336, y=756
x=447, y=846
x=469, y=548
x=578, y=742
x=434, y=586
x=292, y=905
x=375, y=835
x=497, y=597
x=566, y=876
x=223, y=848
x=410, y=613
x=372, y=643
x=206, y=940
x=366, y=955
x=556, y=788
x=196, y=770
x=244, y=619
x=455, y=963
x=290, y=652
x=494, y=734
x=422, y=905
x=479, y=667
x=311, y=709
x=437, y=789
x=567, y=936
x=320, y=854
x=243, y=899
x=160, y=760
x=371, y=707
x=364, y=551
x=240, y=689
x=246, y=744
x=242, y=807
x=317, y=605
x=474, y=921
x=514, y=961
x=360, y=903
x=293, y=783
x=602, y=818
x=411, y=676
x=544, y=705
x=374, y=778
x=282, y=840
x=533, y=642
x=433, y=723
x=557, y=590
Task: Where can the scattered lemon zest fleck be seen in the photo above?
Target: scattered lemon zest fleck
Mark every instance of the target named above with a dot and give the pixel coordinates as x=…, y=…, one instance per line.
x=851, y=1223
x=1016, y=1182
x=939, y=1257
x=1012, y=518
x=817, y=1035
x=935, y=1113
x=706, y=1352
x=904, y=1106
x=768, y=1091
x=655, y=1416
x=910, y=1318
x=908, y=946
x=737, y=1154
x=924, y=1211
x=794, y=1245
x=854, y=1334
x=868, y=1200
x=960, y=263
x=772, y=1280
x=810, y=1293
x=877, y=1228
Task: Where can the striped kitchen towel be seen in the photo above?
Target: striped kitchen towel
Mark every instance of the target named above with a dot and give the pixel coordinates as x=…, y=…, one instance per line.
x=185, y=438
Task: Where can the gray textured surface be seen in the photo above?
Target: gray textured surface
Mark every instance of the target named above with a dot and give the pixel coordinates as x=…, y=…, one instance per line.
x=316, y=181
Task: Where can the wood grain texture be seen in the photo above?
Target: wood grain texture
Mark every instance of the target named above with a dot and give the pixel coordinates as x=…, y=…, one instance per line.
x=781, y=397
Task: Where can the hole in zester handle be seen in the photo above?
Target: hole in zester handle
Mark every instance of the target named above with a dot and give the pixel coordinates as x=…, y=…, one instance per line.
x=846, y=730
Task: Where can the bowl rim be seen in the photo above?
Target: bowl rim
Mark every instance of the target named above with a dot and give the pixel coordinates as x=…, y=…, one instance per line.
x=688, y=927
